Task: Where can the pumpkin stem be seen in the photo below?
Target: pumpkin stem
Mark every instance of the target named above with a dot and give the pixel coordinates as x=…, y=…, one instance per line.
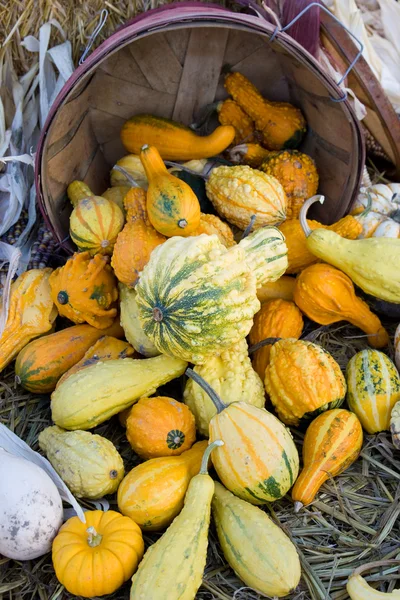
x=303, y=213
x=94, y=538
x=206, y=456
x=129, y=177
x=374, y=565
x=219, y=405
x=249, y=226
x=262, y=343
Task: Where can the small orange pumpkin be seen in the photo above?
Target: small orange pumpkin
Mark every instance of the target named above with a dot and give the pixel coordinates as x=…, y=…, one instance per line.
x=277, y=318
x=160, y=426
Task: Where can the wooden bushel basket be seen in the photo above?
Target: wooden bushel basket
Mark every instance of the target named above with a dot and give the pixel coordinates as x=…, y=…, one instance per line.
x=168, y=62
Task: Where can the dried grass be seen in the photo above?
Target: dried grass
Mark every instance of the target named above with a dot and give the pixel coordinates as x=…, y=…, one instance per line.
x=354, y=519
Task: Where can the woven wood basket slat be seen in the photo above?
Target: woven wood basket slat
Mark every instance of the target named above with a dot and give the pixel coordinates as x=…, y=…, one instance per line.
x=169, y=64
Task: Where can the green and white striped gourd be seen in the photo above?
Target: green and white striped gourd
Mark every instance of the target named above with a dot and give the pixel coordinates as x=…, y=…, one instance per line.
x=373, y=388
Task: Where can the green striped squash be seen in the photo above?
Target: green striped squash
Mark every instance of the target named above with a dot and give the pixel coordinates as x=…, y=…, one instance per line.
x=94, y=225
x=373, y=388
x=196, y=298
x=259, y=461
x=261, y=555
x=266, y=254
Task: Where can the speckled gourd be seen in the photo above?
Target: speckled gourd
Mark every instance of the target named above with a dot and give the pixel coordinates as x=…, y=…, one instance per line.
x=89, y=464
x=232, y=377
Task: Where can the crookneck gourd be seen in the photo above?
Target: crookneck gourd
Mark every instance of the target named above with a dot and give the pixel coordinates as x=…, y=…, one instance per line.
x=372, y=264
x=173, y=567
x=160, y=426
x=276, y=319
x=96, y=557
x=95, y=221
x=31, y=313
x=43, y=361
x=373, y=388
x=184, y=295
x=131, y=324
x=108, y=388
x=172, y=206
x=136, y=241
x=89, y=465
x=152, y=493
x=299, y=257
x=302, y=380
x=106, y=348
x=230, y=113
x=85, y=290
x=232, y=377
x=280, y=124
x=282, y=288
x=332, y=443
x=359, y=589
x=173, y=140
x=326, y=296
x=238, y=193
x=264, y=558
x=259, y=461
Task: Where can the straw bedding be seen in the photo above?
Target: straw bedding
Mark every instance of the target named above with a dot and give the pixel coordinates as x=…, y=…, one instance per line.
x=355, y=518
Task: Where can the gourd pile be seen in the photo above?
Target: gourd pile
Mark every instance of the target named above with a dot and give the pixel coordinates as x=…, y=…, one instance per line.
x=177, y=272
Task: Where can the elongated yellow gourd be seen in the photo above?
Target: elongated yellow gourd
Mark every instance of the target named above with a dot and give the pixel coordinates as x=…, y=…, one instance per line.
x=372, y=264
x=173, y=567
x=257, y=550
x=94, y=394
x=358, y=588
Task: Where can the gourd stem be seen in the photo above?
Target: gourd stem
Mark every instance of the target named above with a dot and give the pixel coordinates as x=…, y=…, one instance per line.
x=129, y=177
x=298, y=506
x=249, y=226
x=303, y=213
x=219, y=405
x=373, y=565
x=262, y=343
x=206, y=456
x=368, y=207
x=205, y=116
x=94, y=538
x=170, y=163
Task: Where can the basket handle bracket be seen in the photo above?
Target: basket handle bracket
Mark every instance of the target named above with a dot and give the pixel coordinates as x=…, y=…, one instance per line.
x=102, y=21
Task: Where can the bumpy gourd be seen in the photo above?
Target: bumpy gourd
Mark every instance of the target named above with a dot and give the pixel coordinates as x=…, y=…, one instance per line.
x=238, y=193
x=173, y=567
x=264, y=558
x=276, y=319
x=378, y=210
x=258, y=461
x=131, y=324
x=108, y=388
x=361, y=260
x=230, y=113
x=373, y=388
x=136, y=241
x=85, y=290
x=106, y=348
x=185, y=300
x=332, y=443
x=173, y=140
x=326, y=296
x=95, y=558
x=299, y=257
x=172, y=206
x=94, y=222
x=282, y=288
x=41, y=363
x=160, y=426
x=298, y=175
x=131, y=164
x=117, y=194
x=152, y=493
x=89, y=465
x=302, y=380
x=281, y=124
x=31, y=313
x=232, y=377
x=212, y=225
x=266, y=254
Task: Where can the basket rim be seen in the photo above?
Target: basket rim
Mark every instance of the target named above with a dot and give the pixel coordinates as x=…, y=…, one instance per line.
x=155, y=19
